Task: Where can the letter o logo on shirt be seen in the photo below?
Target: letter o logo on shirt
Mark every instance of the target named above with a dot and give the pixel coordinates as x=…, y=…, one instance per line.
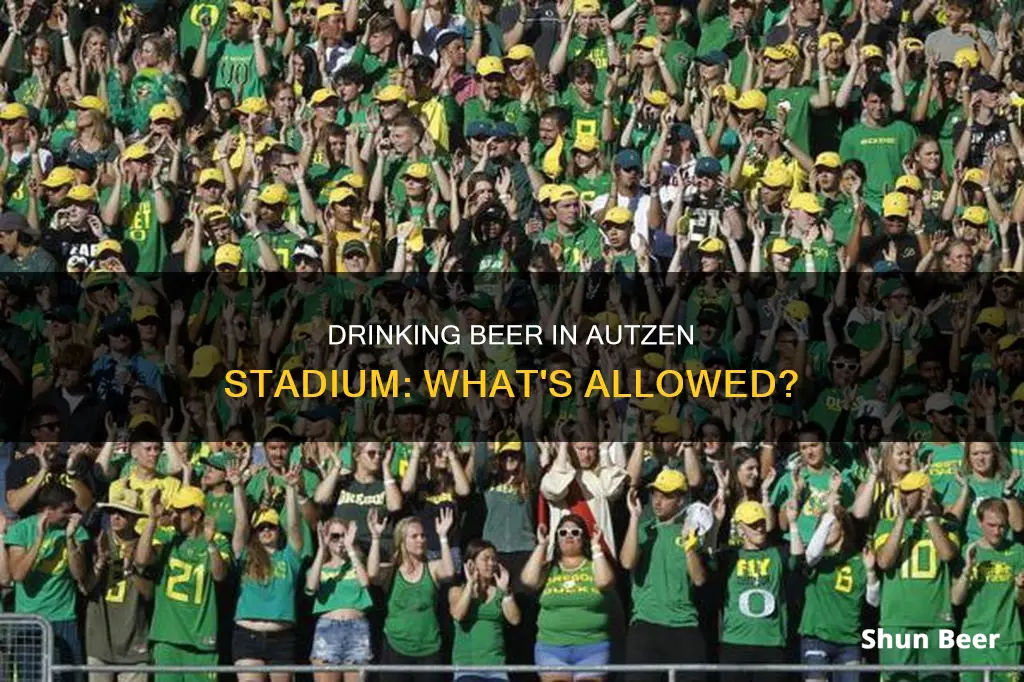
x=756, y=598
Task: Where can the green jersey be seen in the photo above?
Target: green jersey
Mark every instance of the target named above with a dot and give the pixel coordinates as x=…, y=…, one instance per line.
x=833, y=598
x=915, y=592
x=585, y=241
x=273, y=599
x=798, y=122
x=812, y=505
x=185, y=609
x=661, y=582
x=234, y=68
x=221, y=509
x=340, y=589
x=573, y=612
x=755, y=596
x=504, y=109
x=943, y=459
x=991, y=605
x=49, y=589
x=141, y=228
x=282, y=242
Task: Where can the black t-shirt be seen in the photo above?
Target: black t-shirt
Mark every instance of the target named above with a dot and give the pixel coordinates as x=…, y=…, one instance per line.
x=908, y=255
x=24, y=467
x=65, y=245
x=985, y=137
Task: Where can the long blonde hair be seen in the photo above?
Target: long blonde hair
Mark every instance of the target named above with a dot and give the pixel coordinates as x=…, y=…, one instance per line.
x=398, y=554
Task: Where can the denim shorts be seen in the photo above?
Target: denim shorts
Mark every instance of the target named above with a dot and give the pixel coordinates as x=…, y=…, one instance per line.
x=814, y=650
x=342, y=642
x=577, y=656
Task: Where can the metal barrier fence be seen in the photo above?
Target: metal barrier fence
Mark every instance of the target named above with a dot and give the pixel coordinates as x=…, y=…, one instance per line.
x=672, y=672
x=26, y=648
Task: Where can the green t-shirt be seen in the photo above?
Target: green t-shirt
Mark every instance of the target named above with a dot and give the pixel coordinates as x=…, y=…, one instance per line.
x=881, y=150
x=141, y=228
x=221, y=509
x=991, y=606
x=48, y=590
x=185, y=609
x=661, y=583
x=275, y=598
x=833, y=598
x=503, y=109
x=812, y=506
x=234, y=67
x=585, y=241
x=915, y=592
x=755, y=596
x=798, y=122
x=944, y=458
x=340, y=589
x=282, y=242
x=980, y=490
x=573, y=612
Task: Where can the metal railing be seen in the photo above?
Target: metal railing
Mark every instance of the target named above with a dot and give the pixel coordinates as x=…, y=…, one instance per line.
x=672, y=671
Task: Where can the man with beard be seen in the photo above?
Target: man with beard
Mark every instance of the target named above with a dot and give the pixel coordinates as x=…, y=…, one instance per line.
x=269, y=243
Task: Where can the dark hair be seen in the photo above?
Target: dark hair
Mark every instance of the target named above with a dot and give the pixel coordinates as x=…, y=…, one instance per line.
x=847, y=351
x=578, y=520
x=74, y=356
x=351, y=73
x=53, y=495
x=993, y=504
x=876, y=86
x=855, y=166
x=582, y=68
x=475, y=548
x=560, y=115
x=812, y=429
x=423, y=69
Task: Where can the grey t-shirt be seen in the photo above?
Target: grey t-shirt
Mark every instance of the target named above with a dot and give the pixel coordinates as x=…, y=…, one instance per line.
x=944, y=43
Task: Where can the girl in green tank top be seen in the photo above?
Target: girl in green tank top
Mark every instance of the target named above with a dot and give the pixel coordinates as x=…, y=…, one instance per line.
x=412, y=634
x=338, y=582
x=480, y=608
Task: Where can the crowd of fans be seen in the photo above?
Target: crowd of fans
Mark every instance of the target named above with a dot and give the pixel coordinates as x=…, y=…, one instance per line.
x=826, y=187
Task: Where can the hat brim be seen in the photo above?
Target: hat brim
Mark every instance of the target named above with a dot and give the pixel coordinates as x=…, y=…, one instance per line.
x=121, y=507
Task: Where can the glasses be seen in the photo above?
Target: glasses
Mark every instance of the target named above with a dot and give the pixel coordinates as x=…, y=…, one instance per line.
x=232, y=444
x=570, y=533
x=49, y=426
x=841, y=365
x=494, y=78
x=334, y=537
x=989, y=329
x=148, y=322
x=299, y=260
x=266, y=527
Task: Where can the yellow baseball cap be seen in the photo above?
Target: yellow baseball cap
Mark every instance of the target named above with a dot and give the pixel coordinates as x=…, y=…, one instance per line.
x=143, y=312
x=13, y=111
x=895, y=205
x=136, y=152
x=648, y=42
x=751, y=99
x=420, y=171
x=83, y=193
x=781, y=246
x=92, y=103
x=798, y=310
x=163, y=112
x=274, y=194
x=1008, y=341
x=726, y=91
x=106, y=245
x=211, y=175
x=489, y=65
x=666, y=424
x=872, y=52
x=806, y=202
x=58, y=177
x=340, y=194
x=831, y=39
x=243, y=9
x=203, y=361
x=975, y=215
x=975, y=175
x=391, y=93
x=263, y=12
x=658, y=403
x=322, y=95
x=1018, y=394
x=749, y=513
x=670, y=481
x=914, y=480
x=912, y=44
x=327, y=9
x=993, y=315
x=777, y=177
x=586, y=6
x=658, y=98
x=266, y=517
x=228, y=254
x=911, y=182
x=618, y=215
x=187, y=497
x=215, y=212
x=519, y=52
x=561, y=192
x=654, y=360
x=354, y=180
x=546, y=192
x=966, y=56
x=711, y=245
x=828, y=160
x=253, y=105
x=780, y=53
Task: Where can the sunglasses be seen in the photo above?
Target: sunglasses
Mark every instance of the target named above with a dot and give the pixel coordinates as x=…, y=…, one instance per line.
x=853, y=366
x=989, y=329
x=334, y=537
x=266, y=527
x=232, y=444
x=494, y=78
x=305, y=259
x=226, y=268
x=570, y=533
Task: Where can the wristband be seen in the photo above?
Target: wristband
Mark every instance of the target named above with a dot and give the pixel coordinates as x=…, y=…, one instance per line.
x=389, y=481
x=444, y=541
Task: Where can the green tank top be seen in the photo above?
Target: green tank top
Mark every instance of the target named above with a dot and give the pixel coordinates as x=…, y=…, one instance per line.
x=340, y=589
x=411, y=626
x=572, y=610
x=479, y=639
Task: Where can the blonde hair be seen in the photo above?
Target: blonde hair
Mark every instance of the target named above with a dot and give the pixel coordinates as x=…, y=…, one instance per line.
x=398, y=555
